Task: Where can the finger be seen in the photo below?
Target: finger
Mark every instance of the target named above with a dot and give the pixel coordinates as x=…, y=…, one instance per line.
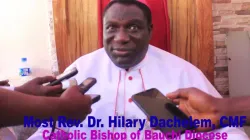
x=180, y=93
x=177, y=101
x=88, y=103
x=184, y=109
x=52, y=89
x=90, y=110
x=45, y=79
x=85, y=88
x=5, y=82
x=173, y=95
x=88, y=99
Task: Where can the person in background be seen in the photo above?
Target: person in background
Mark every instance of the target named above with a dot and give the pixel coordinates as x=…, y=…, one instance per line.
x=200, y=105
x=128, y=64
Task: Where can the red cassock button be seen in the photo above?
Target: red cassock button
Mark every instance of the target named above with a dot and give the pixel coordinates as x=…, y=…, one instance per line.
x=130, y=78
x=130, y=100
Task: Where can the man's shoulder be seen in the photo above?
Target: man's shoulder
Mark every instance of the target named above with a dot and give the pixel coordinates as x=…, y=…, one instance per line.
x=92, y=59
x=97, y=54
x=169, y=59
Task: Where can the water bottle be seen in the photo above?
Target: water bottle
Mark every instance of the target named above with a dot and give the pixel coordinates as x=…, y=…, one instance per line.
x=25, y=70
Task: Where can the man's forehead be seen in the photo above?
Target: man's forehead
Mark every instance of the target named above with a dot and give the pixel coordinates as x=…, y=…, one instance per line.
x=121, y=11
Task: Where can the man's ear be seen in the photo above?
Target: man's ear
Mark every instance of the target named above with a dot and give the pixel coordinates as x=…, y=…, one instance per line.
x=150, y=30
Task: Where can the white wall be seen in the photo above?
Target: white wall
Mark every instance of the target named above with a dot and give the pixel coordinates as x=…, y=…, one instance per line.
x=24, y=32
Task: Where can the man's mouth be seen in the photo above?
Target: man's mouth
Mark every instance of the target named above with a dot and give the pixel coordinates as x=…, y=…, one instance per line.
x=122, y=52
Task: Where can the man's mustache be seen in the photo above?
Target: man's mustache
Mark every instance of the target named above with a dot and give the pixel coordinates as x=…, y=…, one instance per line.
x=123, y=49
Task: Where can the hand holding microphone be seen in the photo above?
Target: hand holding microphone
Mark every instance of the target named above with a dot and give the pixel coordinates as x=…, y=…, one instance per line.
x=75, y=100
x=66, y=83
x=72, y=103
x=35, y=87
x=75, y=105
x=198, y=104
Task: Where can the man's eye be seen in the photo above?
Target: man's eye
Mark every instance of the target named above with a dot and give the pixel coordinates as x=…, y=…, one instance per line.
x=133, y=28
x=110, y=28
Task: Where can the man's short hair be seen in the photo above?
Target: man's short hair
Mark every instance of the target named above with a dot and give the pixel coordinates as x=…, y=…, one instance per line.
x=143, y=7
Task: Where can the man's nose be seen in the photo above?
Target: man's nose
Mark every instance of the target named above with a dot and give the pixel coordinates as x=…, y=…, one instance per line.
x=121, y=36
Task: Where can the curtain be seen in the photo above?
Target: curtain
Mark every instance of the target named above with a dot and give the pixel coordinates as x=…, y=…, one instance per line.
x=101, y=5
x=161, y=31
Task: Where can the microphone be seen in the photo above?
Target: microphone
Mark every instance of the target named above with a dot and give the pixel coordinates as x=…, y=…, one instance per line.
x=64, y=76
x=87, y=84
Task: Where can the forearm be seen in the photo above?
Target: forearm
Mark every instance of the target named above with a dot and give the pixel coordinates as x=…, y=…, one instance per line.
x=15, y=105
x=238, y=106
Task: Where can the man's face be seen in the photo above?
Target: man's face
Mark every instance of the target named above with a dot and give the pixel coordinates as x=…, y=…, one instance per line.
x=126, y=35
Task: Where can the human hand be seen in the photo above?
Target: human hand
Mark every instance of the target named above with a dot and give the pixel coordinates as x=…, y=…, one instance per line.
x=35, y=87
x=198, y=104
x=76, y=105
x=4, y=83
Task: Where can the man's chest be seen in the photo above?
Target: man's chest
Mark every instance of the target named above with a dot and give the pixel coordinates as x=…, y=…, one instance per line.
x=116, y=93
x=116, y=90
